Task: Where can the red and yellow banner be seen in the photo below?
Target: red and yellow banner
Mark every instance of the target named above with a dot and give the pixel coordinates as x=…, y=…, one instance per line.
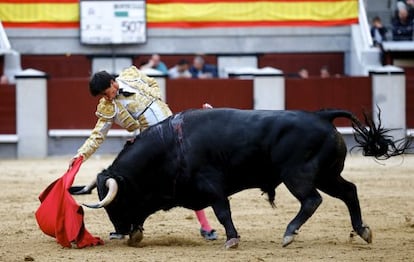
x=204, y=13
x=40, y=13
x=191, y=13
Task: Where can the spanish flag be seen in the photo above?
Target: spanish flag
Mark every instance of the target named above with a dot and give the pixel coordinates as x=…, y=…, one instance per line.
x=39, y=13
x=191, y=13
x=228, y=13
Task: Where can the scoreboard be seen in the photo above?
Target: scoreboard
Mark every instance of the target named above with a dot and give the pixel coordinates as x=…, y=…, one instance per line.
x=112, y=22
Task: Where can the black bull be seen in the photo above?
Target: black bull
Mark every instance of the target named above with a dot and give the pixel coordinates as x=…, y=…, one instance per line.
x=198, y=158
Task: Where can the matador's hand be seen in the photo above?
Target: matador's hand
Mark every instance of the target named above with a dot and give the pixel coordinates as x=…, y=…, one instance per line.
x=72, y=161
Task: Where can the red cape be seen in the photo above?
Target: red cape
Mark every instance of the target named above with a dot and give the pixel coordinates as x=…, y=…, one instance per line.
x=59, y=215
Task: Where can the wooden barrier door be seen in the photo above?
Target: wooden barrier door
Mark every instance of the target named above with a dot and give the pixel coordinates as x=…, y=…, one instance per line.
x=353, y=94
x=184, y=94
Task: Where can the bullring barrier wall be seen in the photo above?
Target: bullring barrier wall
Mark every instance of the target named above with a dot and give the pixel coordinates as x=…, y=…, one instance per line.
x=70, y=108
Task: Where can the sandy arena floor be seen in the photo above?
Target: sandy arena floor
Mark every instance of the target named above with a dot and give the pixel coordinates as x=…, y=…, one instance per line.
x=386, y=193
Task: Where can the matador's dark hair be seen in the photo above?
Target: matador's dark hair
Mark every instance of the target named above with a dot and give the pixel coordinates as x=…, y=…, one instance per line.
x=99, y=82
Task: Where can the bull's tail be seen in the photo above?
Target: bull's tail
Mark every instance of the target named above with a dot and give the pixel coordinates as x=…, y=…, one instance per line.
x=373, y=139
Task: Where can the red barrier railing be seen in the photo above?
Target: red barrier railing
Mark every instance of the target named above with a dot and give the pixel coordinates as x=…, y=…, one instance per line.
x=70, y=106
x=7, y=109
x=183, y=94
x=350, y=93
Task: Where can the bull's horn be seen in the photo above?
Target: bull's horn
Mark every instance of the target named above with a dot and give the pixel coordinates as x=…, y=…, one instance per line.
x=112, y=186
x=84, y=190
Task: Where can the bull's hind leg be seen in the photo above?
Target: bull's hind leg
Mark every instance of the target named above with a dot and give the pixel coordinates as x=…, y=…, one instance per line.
x=346, y=191
x=223, y=214
x=310, y=200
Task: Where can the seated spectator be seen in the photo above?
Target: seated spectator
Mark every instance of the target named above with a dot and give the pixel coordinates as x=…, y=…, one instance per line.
x=324, y=72
x=408, y=4
x=402, y=25
x=180, y=70
x=410, y=8
x=303, y=73
x=378, y=32
x=4, y=80
x=155, y=63
x=200, y=69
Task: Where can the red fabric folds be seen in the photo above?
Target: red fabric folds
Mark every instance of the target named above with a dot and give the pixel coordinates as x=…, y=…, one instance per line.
x=59, y=215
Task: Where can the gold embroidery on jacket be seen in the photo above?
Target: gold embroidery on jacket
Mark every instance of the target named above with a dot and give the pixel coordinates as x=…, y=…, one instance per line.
x=143, y=123
x=148, y=92
x=134, y=106
x=105, y=109
x=146, y=86
x=96, y=138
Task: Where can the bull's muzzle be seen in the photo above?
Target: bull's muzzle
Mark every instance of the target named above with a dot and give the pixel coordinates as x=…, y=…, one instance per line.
x=112, y=186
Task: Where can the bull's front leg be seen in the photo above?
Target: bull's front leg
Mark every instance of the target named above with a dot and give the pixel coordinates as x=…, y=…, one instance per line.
x=136, y=235
x=223, y=214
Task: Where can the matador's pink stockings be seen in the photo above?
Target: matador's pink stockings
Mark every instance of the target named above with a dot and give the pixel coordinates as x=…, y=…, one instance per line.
x=201, y=216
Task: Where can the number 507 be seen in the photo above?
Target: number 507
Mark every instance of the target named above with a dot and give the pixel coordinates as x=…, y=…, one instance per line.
x=131, y=26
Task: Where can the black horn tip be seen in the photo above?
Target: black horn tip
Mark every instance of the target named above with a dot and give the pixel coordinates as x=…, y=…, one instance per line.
x=80, y=190
x=94, y=206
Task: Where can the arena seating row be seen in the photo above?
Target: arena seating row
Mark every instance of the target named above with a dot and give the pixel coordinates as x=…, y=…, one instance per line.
x=63, y=66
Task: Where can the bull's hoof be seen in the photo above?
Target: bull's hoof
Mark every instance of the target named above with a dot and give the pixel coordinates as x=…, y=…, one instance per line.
x=232, y=243
x=135, y=237
x=366, y=234
x=287, y=240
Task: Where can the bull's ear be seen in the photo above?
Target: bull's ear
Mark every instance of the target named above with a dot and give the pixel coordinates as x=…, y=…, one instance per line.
x=112, y=186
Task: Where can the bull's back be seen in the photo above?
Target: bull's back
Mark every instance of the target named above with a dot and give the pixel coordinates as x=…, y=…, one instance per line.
x=252, y=125
x=238, y=137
